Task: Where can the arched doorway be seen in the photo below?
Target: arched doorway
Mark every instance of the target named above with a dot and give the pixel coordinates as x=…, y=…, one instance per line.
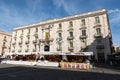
x=46, y=48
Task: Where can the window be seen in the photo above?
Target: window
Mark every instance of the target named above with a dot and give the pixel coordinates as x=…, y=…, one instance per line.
x=29, y=31
x=71, y=34
x=83, y=32
x=22, y=31
x=71, y=44
x=83, y=22
x=60, y=26
x=97, y=20
x=71, y=24
x=98, y=30
x=99, y=41
x=60, y=34
x=36, y=29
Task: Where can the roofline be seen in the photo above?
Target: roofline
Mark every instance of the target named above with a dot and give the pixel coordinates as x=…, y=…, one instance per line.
x=72, y=17
x=5, y=33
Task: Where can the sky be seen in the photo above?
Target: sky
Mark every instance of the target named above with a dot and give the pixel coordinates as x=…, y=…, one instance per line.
x=15, y=13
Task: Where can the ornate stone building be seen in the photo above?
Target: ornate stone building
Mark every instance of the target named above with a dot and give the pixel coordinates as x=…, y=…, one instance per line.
x=89, y=31
x=5, y=39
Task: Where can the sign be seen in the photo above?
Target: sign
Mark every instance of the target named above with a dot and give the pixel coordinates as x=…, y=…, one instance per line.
x=47, y=36
x=75, y=65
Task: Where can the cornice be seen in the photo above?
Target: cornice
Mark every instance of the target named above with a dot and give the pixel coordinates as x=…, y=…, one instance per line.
x=68, y=18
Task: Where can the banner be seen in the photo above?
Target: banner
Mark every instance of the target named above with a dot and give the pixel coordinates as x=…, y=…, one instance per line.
x=75, y=65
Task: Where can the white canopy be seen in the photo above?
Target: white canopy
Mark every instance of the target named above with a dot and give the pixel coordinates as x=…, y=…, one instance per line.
x=52, y=53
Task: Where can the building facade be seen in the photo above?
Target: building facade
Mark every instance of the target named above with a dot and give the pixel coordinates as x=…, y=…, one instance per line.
x=5, y=40
x=116, y=49
x=78, y=33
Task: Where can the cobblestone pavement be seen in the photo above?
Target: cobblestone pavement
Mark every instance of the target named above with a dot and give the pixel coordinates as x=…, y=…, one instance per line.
x=17, y=72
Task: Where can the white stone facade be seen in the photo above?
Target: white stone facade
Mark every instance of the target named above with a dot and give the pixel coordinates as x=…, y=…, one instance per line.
x=83, y=32
x=5, y=40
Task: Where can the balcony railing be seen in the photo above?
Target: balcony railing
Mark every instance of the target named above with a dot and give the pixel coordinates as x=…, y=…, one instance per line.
x=13, y=43
x=26, y=42
x=59, y=49
x=19, y=50
x=34, y=50
x=84, y=49
x=70, y=38
x=51, y=39
x=4, y=47
x=28, y=35
x=99, y=46
x=21, y=36
x=96, y=35
x=70, y=48
x=20, y=42
x=59, y=39
x=97, y=23
x=42, y=40
x=15, y=37
x=34, y=41
x=83, y=37
x=13, y=51
x=26, y=50
x=83, y=25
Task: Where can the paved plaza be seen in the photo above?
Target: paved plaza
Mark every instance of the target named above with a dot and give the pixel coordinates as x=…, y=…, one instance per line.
x=17, y=72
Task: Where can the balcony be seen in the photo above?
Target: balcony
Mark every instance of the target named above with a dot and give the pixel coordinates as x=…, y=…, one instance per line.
x=83, y=25
x=21, y=36
x=20, y=42
x=28, y=35
x=26, y=50
x=59, y=30
x=59, y=49
x=13, y=43
x=19, y=50
x=4, y=47
x=70, y=48
x=42, y=40
x=59, y=39
x=4, y=40
x=26, y=42
x=51, y=39
x=99, y=46
x=83, y=37
x=97, y=23
x=84, y=48
x=13, y=51
x=100, y=35
x=70, y=38
x=15, y=37
x=34, y=41
x=34, y=50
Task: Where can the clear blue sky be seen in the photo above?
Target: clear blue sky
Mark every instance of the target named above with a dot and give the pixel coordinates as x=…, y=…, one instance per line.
x=15, y=13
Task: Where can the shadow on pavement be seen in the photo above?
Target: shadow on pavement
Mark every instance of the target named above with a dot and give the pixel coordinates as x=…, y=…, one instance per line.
x=30, y=73
x=108, y=66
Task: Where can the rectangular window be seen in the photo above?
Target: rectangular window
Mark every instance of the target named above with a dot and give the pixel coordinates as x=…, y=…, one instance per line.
x=71, y=44
x=60, y=26
x=83, y=22
x=97, y=20
x=71, y=24
x=36, y=29
x=60, y=34
x=98, y=30
x=83, y=32
x=29, y=31
x=71, y=34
